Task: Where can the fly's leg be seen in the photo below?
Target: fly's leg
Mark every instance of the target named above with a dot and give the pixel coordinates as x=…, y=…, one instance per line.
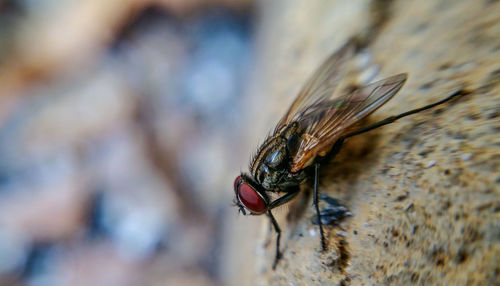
x=278, y=238
x=338, y=144
x=284, y=199
x=316, y=206
x=276, y=203
x=391, y=119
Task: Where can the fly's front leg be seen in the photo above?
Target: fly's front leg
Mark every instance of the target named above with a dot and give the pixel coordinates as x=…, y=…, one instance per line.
x=276, y=203
x=278, y=238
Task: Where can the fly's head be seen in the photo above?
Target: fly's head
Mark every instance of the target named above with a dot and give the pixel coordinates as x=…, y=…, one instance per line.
x=250, y=197
x=270, y=172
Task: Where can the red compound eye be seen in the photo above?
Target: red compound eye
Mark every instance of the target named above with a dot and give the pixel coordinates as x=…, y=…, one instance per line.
x=236, y=182
x=251, y=199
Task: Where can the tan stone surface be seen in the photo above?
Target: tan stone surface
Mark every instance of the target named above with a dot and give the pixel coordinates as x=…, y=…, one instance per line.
x=424, y=192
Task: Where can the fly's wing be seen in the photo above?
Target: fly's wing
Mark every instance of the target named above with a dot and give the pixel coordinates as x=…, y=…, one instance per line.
x=321, y=86
x=326, y=120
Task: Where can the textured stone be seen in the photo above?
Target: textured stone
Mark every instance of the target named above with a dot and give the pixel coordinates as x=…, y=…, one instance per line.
x=424, y=192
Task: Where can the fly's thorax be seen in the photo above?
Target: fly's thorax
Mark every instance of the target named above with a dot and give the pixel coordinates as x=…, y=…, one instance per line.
x=271, y=166
x=271, y=162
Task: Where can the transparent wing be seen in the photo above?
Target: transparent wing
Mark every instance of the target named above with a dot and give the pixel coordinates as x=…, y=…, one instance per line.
x=321, y=86
x=326, y=120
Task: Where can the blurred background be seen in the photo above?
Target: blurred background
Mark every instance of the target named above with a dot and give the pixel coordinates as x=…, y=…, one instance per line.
x=120, y=127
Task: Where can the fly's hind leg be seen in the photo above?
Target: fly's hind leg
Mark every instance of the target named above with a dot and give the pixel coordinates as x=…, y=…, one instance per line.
x=392, y=119
x=340, y=141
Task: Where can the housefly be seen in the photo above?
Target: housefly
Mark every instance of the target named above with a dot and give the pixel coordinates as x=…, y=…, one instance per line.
x=311, y=133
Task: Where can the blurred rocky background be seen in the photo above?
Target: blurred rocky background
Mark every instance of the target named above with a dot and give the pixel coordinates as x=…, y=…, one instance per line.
x=119, y=127
x=124, y=123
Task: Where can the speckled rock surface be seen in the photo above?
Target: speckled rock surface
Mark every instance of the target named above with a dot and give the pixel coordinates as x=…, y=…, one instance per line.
x=425, y=191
